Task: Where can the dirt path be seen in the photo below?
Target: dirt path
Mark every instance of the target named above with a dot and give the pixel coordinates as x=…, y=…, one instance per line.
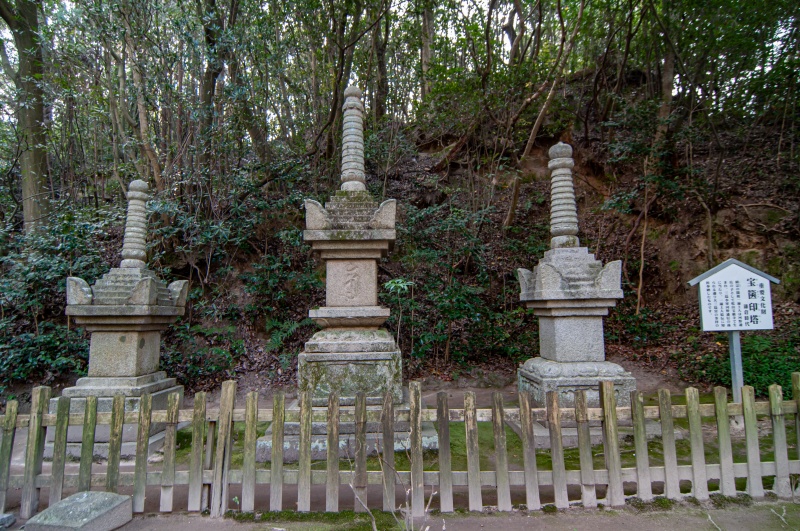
x=759, y=517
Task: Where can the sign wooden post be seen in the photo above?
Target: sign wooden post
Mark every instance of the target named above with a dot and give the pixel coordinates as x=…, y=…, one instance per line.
x=734, y=297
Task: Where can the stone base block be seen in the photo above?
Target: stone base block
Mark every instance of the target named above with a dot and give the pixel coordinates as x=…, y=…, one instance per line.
x=157, y=385
x=347, y=442
x=7, y=520
x=84, y=511
x=348, y=362
x=538, y=376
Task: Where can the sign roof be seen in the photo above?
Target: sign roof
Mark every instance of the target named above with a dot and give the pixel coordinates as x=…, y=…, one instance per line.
x=730, y=262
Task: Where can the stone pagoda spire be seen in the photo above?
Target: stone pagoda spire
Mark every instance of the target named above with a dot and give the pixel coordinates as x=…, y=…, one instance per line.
x=570, y=292
x=125, y=311
x=351, y=233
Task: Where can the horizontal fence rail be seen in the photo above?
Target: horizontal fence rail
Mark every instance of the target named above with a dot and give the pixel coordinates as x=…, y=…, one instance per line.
x=217, y=435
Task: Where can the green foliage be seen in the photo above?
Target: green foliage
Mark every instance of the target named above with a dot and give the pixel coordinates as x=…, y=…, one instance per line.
x=765, y=360
x=34, y=344
x=201, y=357
x=624, y=325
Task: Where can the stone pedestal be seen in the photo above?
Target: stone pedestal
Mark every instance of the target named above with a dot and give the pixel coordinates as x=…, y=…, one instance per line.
x=570, y=292
x=125, y=312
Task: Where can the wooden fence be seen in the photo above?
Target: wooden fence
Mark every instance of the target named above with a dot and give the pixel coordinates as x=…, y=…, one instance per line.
x=210, y=474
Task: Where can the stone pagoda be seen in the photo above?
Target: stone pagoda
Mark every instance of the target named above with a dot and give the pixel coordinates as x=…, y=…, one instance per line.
x=351, y=233
x=570, y=292
x=125, y=312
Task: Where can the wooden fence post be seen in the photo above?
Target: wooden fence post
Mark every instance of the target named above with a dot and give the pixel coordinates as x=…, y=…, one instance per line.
x=782, y=486
x=557, y=451
x=796, y=396
x=249, y=453
x=360, y=472
x=170, y=439
x=304, y=454
x=196, y=453
x=699, y=478
x=332, y=481
x=142, y=446
x=59, y=450
x=87, y=444
x=276, y=464
x=644, y=487
x=755, y=486
x=532, y=499
x=417, y=483
x=672, y=489
x=445, y=456
x=222, y=456
x=615, y=497
x=588, y=488
x=6, y=448
x=473, y=453
x=387, y=457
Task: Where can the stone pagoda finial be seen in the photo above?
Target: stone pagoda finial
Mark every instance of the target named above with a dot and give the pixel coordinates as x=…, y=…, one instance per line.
x=134, y=254
x=353, y=141
x=563, y=212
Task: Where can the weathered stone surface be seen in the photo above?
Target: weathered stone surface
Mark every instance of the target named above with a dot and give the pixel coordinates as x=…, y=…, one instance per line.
x=350, y=316
x=124, y=353
x=353, y=341
x=85, y=511
x=538, y=376
x=7, y=520
x=348, y=373
x=571, y=339
x=351, y=283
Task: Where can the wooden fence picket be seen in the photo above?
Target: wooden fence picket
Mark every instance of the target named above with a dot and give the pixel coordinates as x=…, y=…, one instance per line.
x=755, y=486
x=699, y=478
x=115, y=443
x=557, y=451
x=782, y=486
x=360, y=472
x=387, y=454
x=501, y=453
x=222, y=456
x=727, y=481
x=249, y=453
x=196, y=453
x=304, y=454
x=588, y=488
x=532, y=498
x=34, y=452
x=644, y=487
x=332, y=462
x=276, y=461
x=59, y=450
x=142, y=453
x=170, y=441
x=672, y=489
x=417, y=480
x=615, y=497
x=473, y=453
x=9, y=427
x=87, y=443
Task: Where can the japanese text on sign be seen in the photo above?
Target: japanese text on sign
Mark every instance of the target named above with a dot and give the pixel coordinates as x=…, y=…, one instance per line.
x=735, y=299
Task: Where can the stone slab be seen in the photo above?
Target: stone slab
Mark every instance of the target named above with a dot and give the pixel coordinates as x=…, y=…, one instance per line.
x=351, y=283
x=7, y=520
x=343, y=341
x=347, y=444
x=570, y=339
x=538, y=376
x=348, y=373
x=350, y=316
x=84, y=511
x=124, y=353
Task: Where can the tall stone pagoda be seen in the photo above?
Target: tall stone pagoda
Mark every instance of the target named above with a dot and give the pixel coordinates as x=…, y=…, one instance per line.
x=570, y=292
x=351, y=233
x=125, y=312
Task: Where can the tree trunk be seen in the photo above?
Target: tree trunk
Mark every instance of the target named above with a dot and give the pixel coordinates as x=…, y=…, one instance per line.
x=24, y=25
x=382, y=77
x=425, y=54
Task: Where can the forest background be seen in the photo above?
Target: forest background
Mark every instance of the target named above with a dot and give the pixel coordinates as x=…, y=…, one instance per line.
x=683, y=115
